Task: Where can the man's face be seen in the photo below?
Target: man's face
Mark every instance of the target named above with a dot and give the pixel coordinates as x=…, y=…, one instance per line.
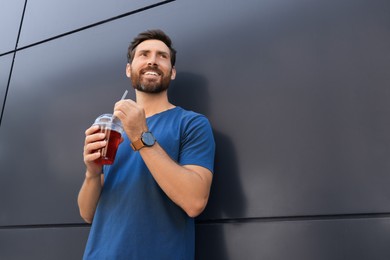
x=151, y=69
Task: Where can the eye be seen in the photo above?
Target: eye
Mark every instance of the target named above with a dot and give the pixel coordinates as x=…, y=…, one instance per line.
x=142, y=54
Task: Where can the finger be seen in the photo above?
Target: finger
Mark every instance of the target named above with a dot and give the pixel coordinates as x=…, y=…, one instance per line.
x=94, y=138
x=125, y=105
x=93, y=147
x=91, y=130
x=91, y=157
x=119, y=114
x=122, y=108
x=125, y=102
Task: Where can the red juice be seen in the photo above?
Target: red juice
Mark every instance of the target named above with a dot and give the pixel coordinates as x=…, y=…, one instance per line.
x=107, y=154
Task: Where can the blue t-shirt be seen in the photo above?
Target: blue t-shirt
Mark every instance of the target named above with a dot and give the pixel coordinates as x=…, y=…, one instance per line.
x=134, y=218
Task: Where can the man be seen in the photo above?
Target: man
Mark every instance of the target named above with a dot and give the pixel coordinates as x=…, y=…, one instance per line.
x=143, y=206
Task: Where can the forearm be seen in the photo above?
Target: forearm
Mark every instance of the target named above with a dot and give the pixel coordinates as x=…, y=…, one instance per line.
x=187, y=186
x=89, y=196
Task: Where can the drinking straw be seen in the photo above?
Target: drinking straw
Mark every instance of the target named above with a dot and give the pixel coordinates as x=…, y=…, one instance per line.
x=124, y=94
x=123, y=97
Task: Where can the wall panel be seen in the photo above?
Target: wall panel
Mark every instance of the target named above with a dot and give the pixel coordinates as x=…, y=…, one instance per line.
x=303, y=135
x=60, y=243
x=46, y=19
x=10, y=18
x=336, y=239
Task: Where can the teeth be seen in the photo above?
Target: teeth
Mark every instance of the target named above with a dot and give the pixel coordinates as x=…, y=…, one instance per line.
x=151, y=73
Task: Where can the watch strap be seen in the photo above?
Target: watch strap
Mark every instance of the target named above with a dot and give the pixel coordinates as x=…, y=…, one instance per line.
x=137, y=145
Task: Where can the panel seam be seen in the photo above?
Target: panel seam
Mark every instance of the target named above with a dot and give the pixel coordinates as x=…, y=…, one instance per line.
x=323, y=217
x=303, y=218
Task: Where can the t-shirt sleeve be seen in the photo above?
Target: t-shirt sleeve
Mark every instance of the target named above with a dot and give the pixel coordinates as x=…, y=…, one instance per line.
x=197, y=144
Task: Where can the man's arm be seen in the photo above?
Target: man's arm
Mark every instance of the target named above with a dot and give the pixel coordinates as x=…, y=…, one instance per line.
x=188, y=186
x=89, y=196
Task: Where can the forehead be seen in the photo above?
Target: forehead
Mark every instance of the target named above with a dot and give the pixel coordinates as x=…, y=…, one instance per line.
x=152, y=45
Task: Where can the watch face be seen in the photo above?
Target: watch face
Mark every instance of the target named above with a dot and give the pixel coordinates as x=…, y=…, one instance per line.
x=148, y=139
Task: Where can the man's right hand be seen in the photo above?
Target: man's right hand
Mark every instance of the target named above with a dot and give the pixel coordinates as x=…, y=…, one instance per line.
x=94, y=141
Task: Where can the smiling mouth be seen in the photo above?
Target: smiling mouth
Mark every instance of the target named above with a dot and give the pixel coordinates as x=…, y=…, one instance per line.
x=151, y=73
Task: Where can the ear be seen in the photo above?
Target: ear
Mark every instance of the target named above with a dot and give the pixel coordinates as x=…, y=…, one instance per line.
x=128, y=70
x=173, y=73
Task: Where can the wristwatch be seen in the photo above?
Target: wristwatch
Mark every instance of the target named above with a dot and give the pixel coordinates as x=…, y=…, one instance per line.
x=147, y=139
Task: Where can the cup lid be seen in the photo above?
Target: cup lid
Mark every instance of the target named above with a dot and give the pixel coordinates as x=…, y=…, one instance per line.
x=107, y=119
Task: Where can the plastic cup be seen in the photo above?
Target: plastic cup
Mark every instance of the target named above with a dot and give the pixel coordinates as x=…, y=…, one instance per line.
x=112, y=128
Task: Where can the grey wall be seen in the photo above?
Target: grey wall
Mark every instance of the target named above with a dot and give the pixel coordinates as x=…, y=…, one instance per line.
x=297, y=93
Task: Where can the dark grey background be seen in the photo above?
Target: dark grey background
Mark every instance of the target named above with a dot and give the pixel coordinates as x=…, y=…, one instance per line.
x=297, y=92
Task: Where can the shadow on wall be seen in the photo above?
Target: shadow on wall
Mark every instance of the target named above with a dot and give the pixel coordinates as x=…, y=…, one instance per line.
x=227, y=200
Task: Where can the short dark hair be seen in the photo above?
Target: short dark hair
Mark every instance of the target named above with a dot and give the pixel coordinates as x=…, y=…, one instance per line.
x=151, y=35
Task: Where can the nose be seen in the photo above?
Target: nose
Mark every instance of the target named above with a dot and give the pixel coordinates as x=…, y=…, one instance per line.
x=152, y=60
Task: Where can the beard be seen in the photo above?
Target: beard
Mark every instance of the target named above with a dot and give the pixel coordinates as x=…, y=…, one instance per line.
x=152, y=86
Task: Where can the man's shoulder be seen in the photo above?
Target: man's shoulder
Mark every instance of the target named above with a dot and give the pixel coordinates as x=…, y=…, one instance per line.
x=182, y=118
x=189, y=114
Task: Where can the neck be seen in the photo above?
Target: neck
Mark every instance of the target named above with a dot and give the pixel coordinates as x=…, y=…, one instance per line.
x=153, y=103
